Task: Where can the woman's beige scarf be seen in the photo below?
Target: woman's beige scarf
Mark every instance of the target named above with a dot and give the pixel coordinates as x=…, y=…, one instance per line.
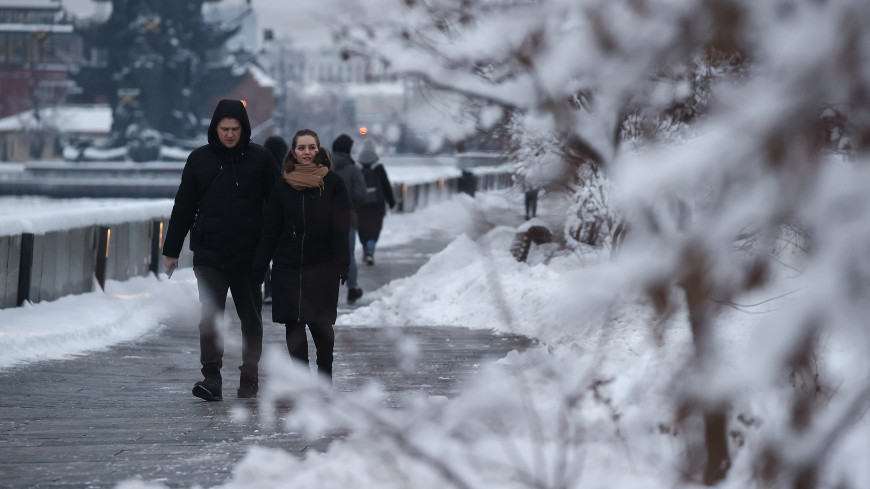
x=306, y=176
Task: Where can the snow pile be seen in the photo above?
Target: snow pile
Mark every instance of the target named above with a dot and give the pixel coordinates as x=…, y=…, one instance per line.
x=77, y=324
x=484, y=285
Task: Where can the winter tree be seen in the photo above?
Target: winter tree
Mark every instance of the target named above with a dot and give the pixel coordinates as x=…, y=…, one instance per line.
x=725, y=140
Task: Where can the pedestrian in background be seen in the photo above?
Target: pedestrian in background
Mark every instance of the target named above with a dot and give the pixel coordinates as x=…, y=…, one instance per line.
x=220, y=201
x=379, y=195
x=305, y=235
x=355, y=183
x=278, y=147
x=530, y=193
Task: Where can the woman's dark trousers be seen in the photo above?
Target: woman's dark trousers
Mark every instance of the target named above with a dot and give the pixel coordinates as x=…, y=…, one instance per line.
x=213, y=284
x=324, y=342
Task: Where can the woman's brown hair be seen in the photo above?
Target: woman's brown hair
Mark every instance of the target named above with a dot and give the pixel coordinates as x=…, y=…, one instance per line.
x=290, y=160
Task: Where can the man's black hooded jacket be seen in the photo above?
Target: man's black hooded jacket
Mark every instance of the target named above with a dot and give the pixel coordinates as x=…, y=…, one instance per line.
x=231, y=210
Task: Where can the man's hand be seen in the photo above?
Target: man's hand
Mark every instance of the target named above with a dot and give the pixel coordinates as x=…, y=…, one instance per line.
x=170, y=263
x=342, y=276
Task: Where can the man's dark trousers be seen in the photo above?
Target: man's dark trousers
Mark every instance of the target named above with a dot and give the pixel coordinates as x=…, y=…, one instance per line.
x=213, y=284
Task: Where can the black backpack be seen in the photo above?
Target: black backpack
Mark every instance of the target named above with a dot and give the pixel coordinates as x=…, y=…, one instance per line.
x=374, y=189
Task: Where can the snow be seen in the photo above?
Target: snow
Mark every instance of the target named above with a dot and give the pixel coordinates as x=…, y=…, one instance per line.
x=90, y=119
x=262, y=78
x=35, y=4
x=9, y=167
x=174, y=153
x=484, y=285
x=39, y=215
x=14, y=27
x=411, y=175
x=396, y=89
x=75, y=325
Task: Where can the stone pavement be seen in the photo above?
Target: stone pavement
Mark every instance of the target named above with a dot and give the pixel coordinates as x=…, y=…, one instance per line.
x=93, y=421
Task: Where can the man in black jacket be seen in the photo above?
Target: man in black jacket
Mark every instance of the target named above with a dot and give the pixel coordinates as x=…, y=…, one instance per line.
x=224, y=186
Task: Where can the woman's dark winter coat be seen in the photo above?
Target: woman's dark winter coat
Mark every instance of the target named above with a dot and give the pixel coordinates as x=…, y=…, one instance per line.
x=305, y=236
x=371, y=217
x=227, y=217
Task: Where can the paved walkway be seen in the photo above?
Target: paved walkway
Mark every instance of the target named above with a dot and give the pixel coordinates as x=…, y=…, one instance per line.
x=96, y=420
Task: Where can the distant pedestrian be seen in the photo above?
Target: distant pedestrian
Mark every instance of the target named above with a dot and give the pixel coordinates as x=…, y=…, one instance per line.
x=379, y=195
x=220, y=200
x=278, y=147
x=305, y=235
x=531, y=199
x=356, y=187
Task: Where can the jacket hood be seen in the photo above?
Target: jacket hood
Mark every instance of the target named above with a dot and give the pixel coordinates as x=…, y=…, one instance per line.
x=368, y=155
x=278, y=147
x=342, y=144
x=229, y=108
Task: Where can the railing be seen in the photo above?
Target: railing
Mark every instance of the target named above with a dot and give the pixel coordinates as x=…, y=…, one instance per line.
x=45, y=265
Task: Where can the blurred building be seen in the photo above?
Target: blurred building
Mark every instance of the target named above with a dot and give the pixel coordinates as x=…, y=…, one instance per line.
x=335, y=92
x=328, y=91
x=40, y=135
x=325, y=66
x=37, y=48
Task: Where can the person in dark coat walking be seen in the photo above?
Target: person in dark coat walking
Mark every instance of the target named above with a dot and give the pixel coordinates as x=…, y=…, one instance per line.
x=220, y=200
x=278, y=147
x=305, y=235
x=379, y=195
x=530, y=193
x=353, y=179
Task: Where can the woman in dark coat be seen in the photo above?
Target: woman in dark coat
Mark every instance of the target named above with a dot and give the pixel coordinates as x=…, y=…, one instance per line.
x=305, y=235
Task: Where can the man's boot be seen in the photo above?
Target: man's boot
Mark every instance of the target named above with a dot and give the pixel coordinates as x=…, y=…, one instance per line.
x=248, y=383
x=354, y=294
x=325, y=372
x=209, y=389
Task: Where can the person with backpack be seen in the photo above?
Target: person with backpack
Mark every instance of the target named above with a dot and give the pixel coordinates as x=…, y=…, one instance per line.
x=353, y=179
x=379, y=194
